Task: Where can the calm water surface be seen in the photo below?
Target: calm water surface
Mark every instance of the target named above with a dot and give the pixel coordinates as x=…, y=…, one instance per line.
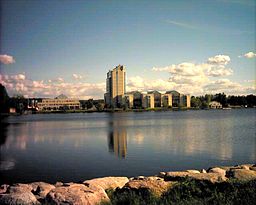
x=75, y=147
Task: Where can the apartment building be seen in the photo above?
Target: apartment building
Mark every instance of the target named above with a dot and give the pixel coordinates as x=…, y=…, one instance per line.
x=115, y=87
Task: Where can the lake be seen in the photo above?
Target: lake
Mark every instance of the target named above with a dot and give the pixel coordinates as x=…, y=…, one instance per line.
x=76, y=147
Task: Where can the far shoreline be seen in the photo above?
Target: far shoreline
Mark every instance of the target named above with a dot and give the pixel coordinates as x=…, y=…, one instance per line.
x=120, y=110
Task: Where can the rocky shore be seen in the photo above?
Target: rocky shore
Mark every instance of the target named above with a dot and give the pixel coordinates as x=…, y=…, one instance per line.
x=97, y=191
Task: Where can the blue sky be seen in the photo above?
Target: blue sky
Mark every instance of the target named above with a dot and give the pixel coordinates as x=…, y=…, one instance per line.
x=65, y=46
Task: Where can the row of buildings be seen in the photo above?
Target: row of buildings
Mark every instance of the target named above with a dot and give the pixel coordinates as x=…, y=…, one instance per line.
x=117, y=97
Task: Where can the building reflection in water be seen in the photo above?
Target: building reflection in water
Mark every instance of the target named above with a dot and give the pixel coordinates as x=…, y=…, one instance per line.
x=117, y=137
x=117, y=142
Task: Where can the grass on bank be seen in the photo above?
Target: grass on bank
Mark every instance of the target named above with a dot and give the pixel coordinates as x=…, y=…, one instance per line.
x=190, y=192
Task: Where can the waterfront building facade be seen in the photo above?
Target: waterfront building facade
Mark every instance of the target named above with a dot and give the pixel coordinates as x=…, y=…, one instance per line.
x=185, y=100
x=59, y=103
x=166, y=100
x=116, y=96
x=157, y=98
x=115, y=87
x=148, y=100
x=175, y=97
x=128, y=100
x=137, y=99
x=215, y=105
x=178, y=99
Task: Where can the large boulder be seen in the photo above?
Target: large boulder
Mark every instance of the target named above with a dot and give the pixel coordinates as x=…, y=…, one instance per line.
x=19, y=188
x=227, y=168
x=243, y=166
x=155, y=186
x=246, y=166
x=217, y=170
x=161, y=174
x=18, y=194
x=26, y=198
x=193, y=171
x=76, y=194
x=242, y=174
x=108, y=182
x=211, y=177
x=41, y=189
x=3, y=188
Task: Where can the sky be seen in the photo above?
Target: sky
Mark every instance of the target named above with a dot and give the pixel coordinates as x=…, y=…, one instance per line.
x=52, y=47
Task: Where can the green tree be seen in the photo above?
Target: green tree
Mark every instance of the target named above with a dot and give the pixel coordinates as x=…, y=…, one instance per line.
x=4, y=100
x=196, y=102
x=89, y=104
x=222, y=98
x=99, y=106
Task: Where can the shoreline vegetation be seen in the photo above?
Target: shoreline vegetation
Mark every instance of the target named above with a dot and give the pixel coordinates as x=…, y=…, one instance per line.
x=216, y=185
x=18, y=104
x=120, y=110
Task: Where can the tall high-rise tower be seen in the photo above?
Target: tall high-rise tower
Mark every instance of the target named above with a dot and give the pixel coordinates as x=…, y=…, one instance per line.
x=115, y=86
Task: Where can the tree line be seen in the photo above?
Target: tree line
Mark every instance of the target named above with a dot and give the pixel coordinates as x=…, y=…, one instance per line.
x=20, y=103
x=226, y=101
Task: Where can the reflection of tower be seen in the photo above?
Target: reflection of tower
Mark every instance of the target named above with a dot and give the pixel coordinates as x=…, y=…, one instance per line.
x=117, y=142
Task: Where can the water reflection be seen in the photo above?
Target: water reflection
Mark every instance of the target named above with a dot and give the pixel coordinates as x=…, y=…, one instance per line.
x=117, y=142
x=97, y=144
x=5, y=163
x=117, y=137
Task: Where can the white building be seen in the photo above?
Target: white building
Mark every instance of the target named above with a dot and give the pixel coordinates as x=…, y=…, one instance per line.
x=215, y=105
x=59, y=103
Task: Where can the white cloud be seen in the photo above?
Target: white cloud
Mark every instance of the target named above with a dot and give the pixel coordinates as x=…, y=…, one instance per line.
x=187, y=73
x=77, y=76
x=249, y=81
x=6, y=59
x=60, y=79
x=219, y=60
x=19, y=84
x=167, y=68
x=19, y=77
x=227, y=86
x=136, y=83
x=219, y=71
x=250, y=55
x=191, y=80
x=190, y=85
x=196, y=78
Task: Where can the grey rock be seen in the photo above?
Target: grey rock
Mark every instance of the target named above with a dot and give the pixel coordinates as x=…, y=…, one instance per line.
x=203, y=171
x=77, y=194
x=161, y=174
x=242, y=174
x=41, y=189
x=3, y=188
x=26, y=198
x=58, y=184
x=154, y=178
x=108, y=182
x=193, y=171
x=156, y=187
x=19, y=188
x=211, y=177
x=217, y=170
